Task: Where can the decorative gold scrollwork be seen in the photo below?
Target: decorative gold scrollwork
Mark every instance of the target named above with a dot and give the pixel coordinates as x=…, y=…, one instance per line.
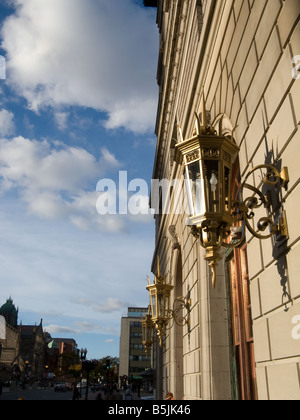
x=176, y=314
x=244, y=209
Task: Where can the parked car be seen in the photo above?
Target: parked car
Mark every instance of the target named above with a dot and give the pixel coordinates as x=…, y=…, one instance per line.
x=60, y=387
x=149, y=397
x=68, y=386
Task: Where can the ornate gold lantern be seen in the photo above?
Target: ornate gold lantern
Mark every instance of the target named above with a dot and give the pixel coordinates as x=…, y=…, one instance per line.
x=207, y=159
x=160, y=302
x=162, y=314
x=147, y=332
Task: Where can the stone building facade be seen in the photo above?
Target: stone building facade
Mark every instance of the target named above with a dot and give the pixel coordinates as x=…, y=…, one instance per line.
x=21, y=347
x=10, y=361
x=10, y=338
x=243, y=341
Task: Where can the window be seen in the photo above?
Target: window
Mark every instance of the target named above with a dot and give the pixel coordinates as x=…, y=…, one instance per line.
x=243, y=359
x=136, y=335
x=242, y=334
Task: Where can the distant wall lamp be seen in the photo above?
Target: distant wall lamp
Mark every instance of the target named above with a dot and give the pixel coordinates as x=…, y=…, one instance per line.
x=161, y=313
x=147, y=332
x=207, y=159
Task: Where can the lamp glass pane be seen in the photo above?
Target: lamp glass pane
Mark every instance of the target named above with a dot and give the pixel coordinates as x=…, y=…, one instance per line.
x=149, y=329
x=160, y=304
x=144, y=330
x=153, y=304
x=195, y=188
x=227, y=189
x=167, y=304
x=212, y=183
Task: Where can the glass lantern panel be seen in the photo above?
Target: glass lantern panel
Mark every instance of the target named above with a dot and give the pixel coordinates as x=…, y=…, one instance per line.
x=195, y=188
x=153, y=304
x=149, y=332
x=160, y=305
x=167, y=303
x=227, y=189
x=212, y=184
x=144, y=330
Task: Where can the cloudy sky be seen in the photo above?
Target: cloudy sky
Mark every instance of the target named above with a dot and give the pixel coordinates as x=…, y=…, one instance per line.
x=78, y=105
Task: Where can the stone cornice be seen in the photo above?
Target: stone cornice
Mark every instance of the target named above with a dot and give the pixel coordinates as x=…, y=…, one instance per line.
x=172, y=59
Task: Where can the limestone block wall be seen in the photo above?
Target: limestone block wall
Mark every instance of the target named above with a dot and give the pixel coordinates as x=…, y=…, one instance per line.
x=243, y=54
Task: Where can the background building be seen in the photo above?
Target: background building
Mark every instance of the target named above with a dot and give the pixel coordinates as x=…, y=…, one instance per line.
x=133, y=360
x=11, y=364
x=243, y=55
x=28, y=354
x=32, y=350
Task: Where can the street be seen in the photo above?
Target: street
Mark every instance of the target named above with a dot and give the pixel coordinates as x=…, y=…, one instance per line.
x=36, y=395
x=49, y=395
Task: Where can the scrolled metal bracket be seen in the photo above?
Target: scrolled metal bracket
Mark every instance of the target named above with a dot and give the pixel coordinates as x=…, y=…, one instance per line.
x=175, y=314
x=243, y=210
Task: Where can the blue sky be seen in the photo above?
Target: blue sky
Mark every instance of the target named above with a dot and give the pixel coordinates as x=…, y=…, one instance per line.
x=78, y=105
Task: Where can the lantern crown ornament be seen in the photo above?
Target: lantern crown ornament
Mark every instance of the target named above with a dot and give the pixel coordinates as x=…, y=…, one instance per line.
x=208, y=158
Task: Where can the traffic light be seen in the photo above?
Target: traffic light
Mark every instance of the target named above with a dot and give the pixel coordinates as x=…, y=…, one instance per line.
x=107, y=366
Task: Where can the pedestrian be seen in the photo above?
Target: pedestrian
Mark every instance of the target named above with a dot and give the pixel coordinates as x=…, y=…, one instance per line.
x=99, y=397
x=75, y=393
x=169, y=396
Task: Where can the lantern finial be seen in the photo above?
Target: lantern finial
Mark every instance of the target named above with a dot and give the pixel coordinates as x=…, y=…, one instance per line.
x=204, y=117
x=202, y=127
x=180, y=133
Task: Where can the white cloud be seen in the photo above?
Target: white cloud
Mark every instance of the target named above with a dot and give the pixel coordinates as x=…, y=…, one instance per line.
x=54, y=179
x=87, y=326
x=111, y=305
x=39, y=165
x=53, y=329
x=7, y=126
x=61, y=119
x=46, y=205
x=99, y=54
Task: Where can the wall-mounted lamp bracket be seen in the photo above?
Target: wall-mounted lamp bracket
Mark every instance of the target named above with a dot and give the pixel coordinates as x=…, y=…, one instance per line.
x=161, y=313
x=207, y=159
